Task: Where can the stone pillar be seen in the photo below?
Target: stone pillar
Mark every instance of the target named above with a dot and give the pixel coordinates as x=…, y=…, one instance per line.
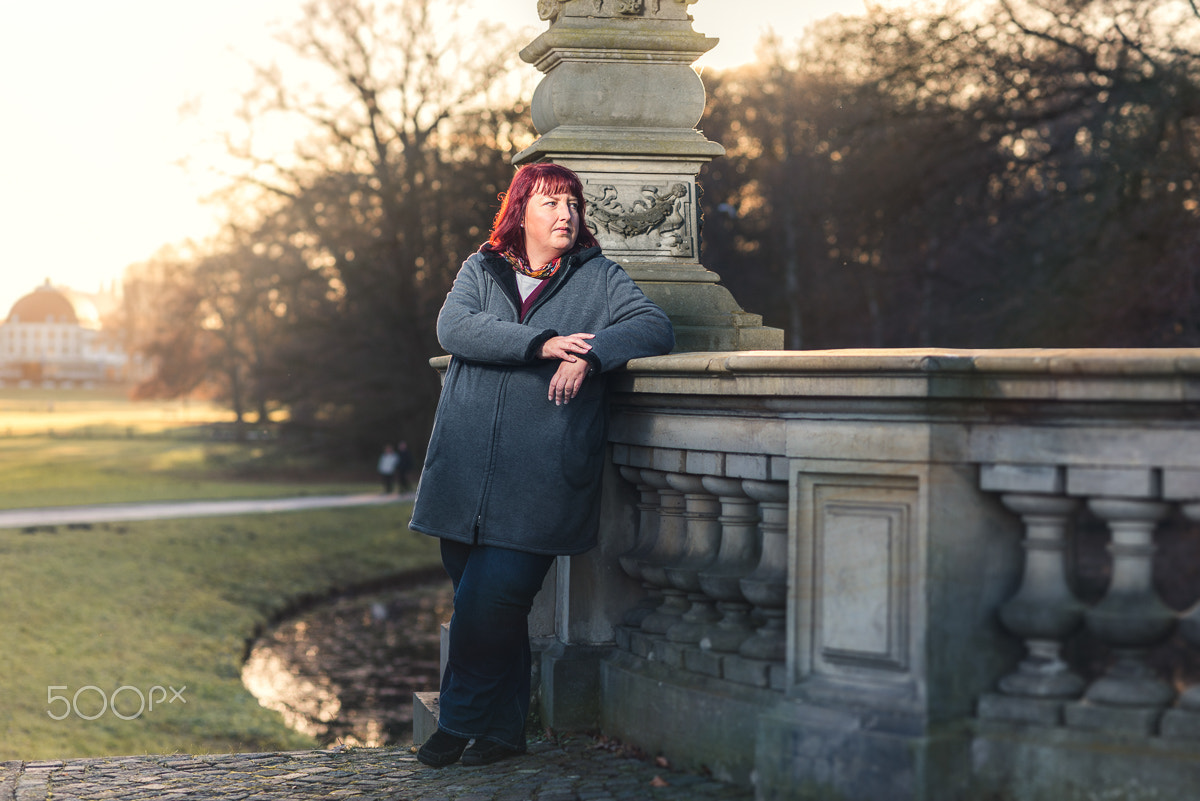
x=618, y=105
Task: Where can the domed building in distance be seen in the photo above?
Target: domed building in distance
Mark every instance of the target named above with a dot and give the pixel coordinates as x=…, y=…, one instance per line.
x=53, y=337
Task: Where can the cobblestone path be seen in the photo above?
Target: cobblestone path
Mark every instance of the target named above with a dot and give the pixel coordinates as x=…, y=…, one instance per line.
x=573, y=768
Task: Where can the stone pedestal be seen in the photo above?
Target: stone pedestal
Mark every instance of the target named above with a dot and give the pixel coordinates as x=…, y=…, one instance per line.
x=619, y=105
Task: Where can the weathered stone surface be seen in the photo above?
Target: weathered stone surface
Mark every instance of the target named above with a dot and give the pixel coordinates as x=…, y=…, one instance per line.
x=701, y=724
x=1021, y=478
x=1014, y=761
x=1041, y=711
x=1113, y=719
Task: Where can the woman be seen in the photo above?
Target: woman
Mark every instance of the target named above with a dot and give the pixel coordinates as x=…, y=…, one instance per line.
x=512, y=473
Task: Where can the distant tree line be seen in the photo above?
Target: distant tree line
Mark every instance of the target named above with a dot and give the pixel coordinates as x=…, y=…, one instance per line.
x=1019, y=174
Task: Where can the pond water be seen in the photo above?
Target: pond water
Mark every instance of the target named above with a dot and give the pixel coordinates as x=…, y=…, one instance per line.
x=345, y=671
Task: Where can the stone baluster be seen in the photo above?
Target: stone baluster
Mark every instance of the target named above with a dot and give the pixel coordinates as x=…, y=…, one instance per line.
x=667, y=550
x=741, y=548
x=644, y=542
x=1043, y=613
x=1130, y=619
x=766, y=587
x=702, y=541
x=1184, y=719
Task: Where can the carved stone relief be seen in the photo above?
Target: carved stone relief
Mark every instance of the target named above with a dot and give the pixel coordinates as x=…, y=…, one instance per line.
x=633, y=217
x=659, y=9
x=549, y=9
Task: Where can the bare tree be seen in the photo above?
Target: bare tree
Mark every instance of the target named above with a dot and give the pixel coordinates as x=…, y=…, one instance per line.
x=344, y=244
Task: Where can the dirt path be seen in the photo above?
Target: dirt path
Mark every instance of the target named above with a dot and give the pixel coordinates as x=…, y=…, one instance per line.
x=104, y=513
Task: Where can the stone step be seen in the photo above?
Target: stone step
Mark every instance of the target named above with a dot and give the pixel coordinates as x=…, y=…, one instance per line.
x=425, y=704
x=425, y=716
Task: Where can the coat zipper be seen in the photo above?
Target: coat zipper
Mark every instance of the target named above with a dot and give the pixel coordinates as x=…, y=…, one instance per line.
x=491, y=459
x=503, y=386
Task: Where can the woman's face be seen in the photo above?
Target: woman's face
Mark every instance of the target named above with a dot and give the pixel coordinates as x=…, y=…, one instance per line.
x=551, y=226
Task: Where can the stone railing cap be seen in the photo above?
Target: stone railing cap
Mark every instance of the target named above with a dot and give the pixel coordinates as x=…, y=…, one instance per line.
x=1054, y=361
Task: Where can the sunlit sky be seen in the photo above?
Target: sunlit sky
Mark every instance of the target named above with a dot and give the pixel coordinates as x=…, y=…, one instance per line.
x=93, y=134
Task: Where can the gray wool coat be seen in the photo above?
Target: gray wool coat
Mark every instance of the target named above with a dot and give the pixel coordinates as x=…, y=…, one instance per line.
x=506, y=466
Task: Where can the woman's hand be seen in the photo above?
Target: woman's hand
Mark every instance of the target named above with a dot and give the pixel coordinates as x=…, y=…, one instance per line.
x=566, y=348
x=568, y=379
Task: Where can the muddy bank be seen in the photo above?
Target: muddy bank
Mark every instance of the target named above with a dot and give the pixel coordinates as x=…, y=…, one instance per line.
x=344, y=671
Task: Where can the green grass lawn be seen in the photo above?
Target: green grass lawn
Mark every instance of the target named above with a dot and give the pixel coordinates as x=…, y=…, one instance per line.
x=92, y=446
x=168, y=604
x=42, y=411
x=58, y=471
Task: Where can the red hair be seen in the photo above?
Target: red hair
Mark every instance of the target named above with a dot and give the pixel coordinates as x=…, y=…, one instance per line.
x=548, y=179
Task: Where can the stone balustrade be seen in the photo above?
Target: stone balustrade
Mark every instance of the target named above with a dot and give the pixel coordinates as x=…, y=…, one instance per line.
x=712, y=549
x=856, y=572
x=1131, y=695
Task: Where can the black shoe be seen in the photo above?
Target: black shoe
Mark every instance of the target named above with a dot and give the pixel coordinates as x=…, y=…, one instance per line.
x=441, y=749
x=484, y=752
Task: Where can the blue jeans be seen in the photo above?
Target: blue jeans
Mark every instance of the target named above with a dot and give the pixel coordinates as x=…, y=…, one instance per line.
x=485, y=689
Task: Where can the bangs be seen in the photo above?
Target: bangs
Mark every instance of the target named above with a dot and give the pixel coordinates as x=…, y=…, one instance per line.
x=557, y=185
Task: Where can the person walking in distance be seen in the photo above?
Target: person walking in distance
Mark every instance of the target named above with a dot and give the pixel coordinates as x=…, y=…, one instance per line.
x=386, y=467
x=403, y=465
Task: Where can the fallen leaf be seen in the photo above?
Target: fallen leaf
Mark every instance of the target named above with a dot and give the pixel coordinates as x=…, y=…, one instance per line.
x=659, y=781
x=662, y=762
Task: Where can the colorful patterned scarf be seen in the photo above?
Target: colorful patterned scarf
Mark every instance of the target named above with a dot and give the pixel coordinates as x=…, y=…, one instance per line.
x=520, y=266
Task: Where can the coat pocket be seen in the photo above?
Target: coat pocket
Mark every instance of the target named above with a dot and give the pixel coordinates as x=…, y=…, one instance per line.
x=582, y=443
